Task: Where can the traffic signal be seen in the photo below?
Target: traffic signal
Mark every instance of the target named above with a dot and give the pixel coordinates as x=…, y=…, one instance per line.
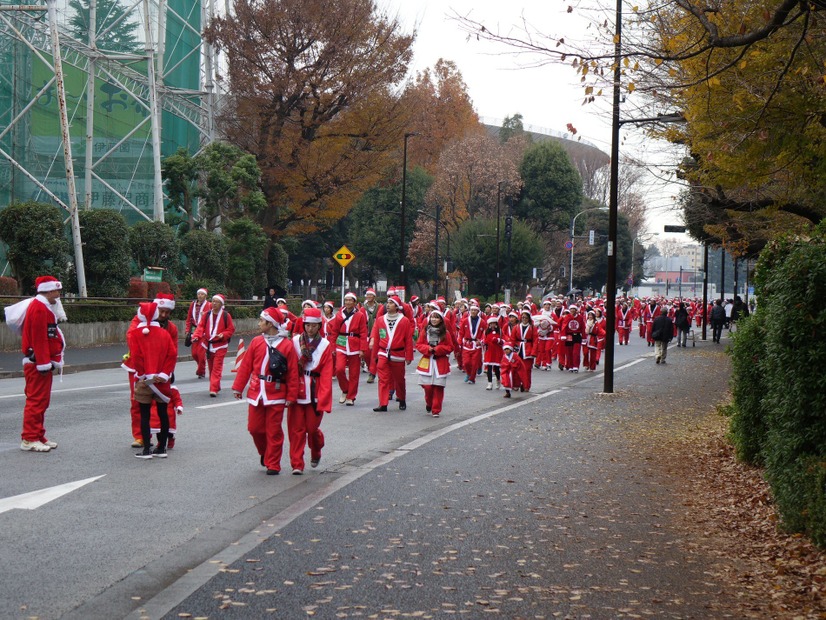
x=508, y=226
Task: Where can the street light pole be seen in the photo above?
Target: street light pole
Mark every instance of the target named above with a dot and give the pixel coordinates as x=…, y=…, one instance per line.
x=573, y=224
x=436, y=263
x=498, y=204
x=402, y=274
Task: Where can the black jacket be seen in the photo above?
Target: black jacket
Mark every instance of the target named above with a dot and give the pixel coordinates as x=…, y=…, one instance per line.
x=662, y=329
x=681, y=320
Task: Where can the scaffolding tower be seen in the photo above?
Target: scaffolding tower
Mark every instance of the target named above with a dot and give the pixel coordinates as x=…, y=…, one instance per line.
x=94, y=94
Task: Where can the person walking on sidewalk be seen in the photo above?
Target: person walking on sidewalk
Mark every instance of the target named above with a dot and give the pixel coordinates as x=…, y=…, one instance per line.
x=271, y=369
x=718, y=321
x=662, y=331
x=197, y=310
x=153, y=356
x=214, y=334
x=435, y=344
x=392, y=340
x=682, y=321
x=348, y=332
x=315, y=391
x=43, y=346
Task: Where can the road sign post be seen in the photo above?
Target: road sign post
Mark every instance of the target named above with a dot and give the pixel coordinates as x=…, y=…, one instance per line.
x=343, y=257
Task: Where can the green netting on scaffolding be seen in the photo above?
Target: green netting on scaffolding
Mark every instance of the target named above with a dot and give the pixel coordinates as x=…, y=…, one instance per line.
x=121, y=144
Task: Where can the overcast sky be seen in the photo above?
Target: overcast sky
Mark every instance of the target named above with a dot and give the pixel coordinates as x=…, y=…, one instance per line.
x=503, y=84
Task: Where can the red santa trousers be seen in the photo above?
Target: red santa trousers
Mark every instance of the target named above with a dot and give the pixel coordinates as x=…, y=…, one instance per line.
x=38, y=396
x=216, y=369
x=264, y=424
x=472, y=362
x=199, y=355
x=527, y=369
x=624, y=333
x=543, y=355
x=304, y=429
x=642, y=328
x=134, y=408
x=574, y=357
x=434, y=396
x=590, y=358
x=347, y=373
x=391, y=378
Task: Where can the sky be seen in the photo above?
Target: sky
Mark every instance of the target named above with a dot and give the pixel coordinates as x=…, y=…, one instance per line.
x=501, y=83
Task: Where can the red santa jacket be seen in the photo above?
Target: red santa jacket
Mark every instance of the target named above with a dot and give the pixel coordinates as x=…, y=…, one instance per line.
x=594, y=336
x=470, y=338
x=348, y=333
x=153, y=354
x=42, y=338
x=214, y=331
x=572, y=328
x=128, y=364
x=315, y=380
x=440, y=354
x=511, y=371
x=196, y=311
x=523, y=339
x=493, y=348
x=624, y=318
x=396, y=344
x=255, y=368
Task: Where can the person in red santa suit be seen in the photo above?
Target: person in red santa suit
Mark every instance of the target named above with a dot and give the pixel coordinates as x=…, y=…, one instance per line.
x=197, y=310
x=523, y=339
x=435, y=345
x=297, y=326
x=348, y=332
x=153, y=356
x=650, y=311
x=571, y=333
x=393, y=341
x=471, y=336
x=270, y=366
x=594, y=335
x=43, y=346
x=493, y=352
x=371, y=309
x=166, y=304
x=315, y=391
x=544, y=342
x=511, y=369
x=214, y=333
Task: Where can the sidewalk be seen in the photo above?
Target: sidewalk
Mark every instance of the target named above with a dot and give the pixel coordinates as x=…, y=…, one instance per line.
x=566, y=505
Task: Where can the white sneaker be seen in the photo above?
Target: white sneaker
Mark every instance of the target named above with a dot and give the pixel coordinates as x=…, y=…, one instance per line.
x=490, y=386
x=34, y=446
x=498, y=384
x=349, y=402
x=342, y=398
x=52, y=444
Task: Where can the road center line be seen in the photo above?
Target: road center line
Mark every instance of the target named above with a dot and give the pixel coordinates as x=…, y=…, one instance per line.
x=77, y=389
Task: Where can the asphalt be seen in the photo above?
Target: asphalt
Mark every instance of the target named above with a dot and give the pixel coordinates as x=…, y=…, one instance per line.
x=544, y=508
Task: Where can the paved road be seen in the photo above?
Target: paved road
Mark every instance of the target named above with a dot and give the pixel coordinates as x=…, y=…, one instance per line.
x=110, y=547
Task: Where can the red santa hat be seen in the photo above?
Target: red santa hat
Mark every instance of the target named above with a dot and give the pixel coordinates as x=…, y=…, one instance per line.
x=474, y=305
x=220, y=298
x=202, y=290
x=165, y=301
x=441, y=301
x=526, y=311
x=273, y=315
x=370, y=291
x=147, y=314
x=329, y=304
x=395, y=299
x=47, y=284
x=351, y=296
x=308, y=303
x=312, y=315
x=414, y=299
x=513, y=314
x=281, y=300
x=507, y=345
x=438, y=312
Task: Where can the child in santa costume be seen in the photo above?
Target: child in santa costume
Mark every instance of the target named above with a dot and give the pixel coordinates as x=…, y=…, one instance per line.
x=435, y=344
x=392, y=340
x=523, y=339
x=43, y=345
x=493, y=352
x=153, y=356
x=348, y=332
x=270, y=366
x=511, y=369
x=213, y=334
x=471, y=335
x=315, y=391
x=197, y=310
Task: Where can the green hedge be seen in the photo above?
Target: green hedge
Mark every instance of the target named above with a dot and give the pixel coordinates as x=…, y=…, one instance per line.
x=779, y=415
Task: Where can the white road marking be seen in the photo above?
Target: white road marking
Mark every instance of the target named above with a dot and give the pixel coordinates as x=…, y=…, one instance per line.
x=36, y=499
x=227, y=404
x=78, y=389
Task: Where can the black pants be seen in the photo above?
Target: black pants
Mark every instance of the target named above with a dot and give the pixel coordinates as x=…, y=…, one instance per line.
x=146, y=433
x=491, y=370
x=716, y=331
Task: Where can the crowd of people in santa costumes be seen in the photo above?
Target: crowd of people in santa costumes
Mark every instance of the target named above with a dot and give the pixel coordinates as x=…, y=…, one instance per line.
x=213, y=334
x=36, y=320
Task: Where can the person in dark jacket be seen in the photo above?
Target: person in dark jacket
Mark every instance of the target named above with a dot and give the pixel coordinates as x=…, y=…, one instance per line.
x=662, y=331
x=683, y=323
x=738, y=310
x=718, y=320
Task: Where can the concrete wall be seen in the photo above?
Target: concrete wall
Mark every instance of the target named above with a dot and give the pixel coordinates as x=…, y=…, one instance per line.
x=80, y=335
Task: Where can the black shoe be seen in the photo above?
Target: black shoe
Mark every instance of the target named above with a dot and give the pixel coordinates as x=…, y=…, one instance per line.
x=272, y=472
x=428, y=408
x=402, y=405
x=262, y=461
x=380, y=408
x=146, y=453
x=159, y=453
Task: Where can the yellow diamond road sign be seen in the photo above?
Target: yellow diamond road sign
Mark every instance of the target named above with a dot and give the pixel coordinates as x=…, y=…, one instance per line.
x=344, y=256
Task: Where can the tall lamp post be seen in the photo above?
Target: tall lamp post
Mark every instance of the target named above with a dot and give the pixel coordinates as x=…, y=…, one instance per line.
x=498, y=204
x=437, y=218
x=573, y=236
x=402, y=273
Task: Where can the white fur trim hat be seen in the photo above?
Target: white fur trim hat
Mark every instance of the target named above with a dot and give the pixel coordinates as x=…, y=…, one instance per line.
x=47, y=284
x=351, y=296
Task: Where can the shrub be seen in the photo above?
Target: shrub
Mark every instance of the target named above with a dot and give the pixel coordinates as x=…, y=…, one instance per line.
x=138, y=289
x=154, y=288
x=154, y=245
x=105, y=235
x=277, y=266
x=246, y=270
x=8, y=286
x=206, y=255
x=189, y=288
